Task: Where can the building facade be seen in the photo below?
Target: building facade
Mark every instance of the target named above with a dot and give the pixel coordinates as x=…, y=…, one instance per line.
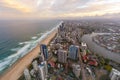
x=44, y=51
x=62, y=56
x=76, y=70
x=115, y=74
x=43, y=70
x=73, y=52
x=27, y=74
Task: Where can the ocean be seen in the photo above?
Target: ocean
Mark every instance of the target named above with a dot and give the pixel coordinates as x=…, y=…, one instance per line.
x=18, y=37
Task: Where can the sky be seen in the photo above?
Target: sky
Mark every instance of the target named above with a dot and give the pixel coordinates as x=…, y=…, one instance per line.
x=40, y=9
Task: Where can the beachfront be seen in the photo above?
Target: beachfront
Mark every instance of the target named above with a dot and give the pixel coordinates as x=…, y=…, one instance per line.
x=70, y=58
x=17, y=69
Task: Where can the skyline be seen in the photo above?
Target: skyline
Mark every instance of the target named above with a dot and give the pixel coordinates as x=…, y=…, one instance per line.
x=41, y=9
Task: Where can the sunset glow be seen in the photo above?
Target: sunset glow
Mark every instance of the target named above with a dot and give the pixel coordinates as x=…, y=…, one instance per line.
x=57, y=8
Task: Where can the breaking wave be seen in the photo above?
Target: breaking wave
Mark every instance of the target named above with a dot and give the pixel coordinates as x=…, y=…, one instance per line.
x=20, y=52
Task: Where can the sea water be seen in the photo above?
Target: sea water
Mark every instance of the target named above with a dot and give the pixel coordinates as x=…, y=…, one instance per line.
x=18, y=37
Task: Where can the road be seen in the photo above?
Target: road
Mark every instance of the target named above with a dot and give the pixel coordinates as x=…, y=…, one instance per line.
x=82, y=67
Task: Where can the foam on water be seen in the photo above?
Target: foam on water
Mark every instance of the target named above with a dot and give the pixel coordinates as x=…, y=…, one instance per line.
x=3, y=64
x=16, y=49
x=14, y=57
x=28, y=46
x=34, y=37
x=21, y=43
x=48, y=32
x=39, y=34
x=24, y=43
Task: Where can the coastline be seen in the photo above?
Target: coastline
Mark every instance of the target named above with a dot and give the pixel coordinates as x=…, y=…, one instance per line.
x=16, y=70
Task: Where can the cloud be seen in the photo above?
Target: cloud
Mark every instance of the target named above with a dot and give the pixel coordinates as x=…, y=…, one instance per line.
x=16, y=5
x=58, y=8
x=98, y=7
x=63, y=6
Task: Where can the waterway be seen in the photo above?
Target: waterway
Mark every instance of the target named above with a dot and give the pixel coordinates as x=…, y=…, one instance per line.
x=100, y=50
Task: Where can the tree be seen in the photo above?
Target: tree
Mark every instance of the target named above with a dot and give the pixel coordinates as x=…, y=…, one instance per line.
x=104, y=77
x=119, y=40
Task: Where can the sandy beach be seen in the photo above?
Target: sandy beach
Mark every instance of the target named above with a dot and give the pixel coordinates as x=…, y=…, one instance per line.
x=17, y=69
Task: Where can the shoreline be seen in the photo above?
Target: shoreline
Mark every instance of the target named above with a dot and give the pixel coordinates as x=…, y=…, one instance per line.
x=16, y=70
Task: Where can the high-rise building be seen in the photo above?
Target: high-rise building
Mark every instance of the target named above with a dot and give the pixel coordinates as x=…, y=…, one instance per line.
x=61, y=27
x=36, y=73
x=43, y=70
x=62, y=56
x=115, y=74
x=73, y=52
x=41, y=58
x=44, y=51
x=46, y=68
x=76, y=70
x=35, y=65
x=27, y=74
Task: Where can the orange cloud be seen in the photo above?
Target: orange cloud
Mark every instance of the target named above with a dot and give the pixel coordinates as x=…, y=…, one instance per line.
x=59, y=8
x=17, y=5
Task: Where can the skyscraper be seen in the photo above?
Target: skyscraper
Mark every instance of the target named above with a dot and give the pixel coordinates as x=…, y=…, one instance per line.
x=35, y=65
x=36, y=71
x=27, y=74
x=46, y=68
x=41, y=58
x=61, y=27
x=76, y=70
x=73, y=52
x=43, y=70
x=62, y=56
x=44, y=51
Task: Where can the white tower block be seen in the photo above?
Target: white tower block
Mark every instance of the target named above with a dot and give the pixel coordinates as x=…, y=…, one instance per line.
x=35, y=65
x=27, y=74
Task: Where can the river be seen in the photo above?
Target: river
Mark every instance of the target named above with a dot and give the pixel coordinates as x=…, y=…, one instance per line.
x=100, y=50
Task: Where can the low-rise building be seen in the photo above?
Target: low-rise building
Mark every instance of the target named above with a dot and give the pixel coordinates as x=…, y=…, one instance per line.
x=84, y=46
